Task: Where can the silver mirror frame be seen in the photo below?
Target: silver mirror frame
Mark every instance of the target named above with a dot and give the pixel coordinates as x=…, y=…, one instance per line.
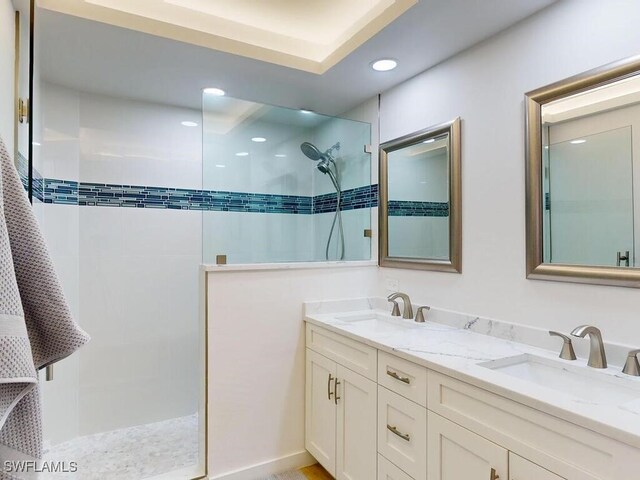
x=534, y=100
x=454, y=264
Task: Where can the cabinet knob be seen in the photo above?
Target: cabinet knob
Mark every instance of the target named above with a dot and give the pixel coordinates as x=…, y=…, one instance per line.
x=494, y=475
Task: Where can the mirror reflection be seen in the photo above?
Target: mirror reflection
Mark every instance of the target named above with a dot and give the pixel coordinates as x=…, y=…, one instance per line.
x=418, y=203
x=420, y=206
x=589, y=152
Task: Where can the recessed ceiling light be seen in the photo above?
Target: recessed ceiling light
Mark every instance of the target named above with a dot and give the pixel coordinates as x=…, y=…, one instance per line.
x=280, y=155
x=431, y=140
x=258, y=139
x=384, y=65
x=242, y=154
x=189, y=124
x=577, y=142
x=302, y=110
x=216, y=92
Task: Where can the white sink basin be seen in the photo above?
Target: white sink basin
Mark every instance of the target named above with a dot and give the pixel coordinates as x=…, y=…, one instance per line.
x=583, y=382
x=376, y=322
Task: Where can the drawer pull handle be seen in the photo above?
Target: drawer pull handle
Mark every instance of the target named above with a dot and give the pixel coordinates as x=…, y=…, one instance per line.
x=394, y=430
x=335, y=390
x=494, y=475
x=393, y=374
x=329, y=392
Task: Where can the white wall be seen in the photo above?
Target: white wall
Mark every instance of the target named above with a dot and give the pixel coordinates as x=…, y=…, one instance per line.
x=485, y=86
x=7, y=58
x=256, y=361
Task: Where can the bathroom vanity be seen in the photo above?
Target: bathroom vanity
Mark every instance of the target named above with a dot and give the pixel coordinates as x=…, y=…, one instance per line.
x=393, y=399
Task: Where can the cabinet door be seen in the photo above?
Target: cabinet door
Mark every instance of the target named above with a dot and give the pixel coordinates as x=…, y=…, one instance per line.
x=521, y=469
x=356, y=426
x=456, y=453
x=320, y=414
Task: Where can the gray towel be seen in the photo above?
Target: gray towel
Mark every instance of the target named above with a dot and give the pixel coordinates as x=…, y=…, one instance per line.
x=36, y=327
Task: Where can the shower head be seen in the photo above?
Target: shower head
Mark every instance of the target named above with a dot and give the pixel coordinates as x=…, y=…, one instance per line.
x=324, y=165
x=311, y=151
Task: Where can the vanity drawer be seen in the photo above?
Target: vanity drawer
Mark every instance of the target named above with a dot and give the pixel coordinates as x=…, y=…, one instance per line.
x=403, y=377
x=388, y=471
x=402, y=432
x=349, y=353
x=555, y=444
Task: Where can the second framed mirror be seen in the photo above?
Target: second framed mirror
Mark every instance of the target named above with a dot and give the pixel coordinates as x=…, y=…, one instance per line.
x=420, y=200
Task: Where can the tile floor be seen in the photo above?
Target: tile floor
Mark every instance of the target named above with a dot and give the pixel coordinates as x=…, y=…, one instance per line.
x=132, y=453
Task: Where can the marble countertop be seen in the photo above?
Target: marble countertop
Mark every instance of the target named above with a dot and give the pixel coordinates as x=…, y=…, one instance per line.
x=457, y=345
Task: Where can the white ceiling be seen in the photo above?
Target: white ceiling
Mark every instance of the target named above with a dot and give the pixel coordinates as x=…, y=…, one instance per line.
x=101, y=58
x=310, y=35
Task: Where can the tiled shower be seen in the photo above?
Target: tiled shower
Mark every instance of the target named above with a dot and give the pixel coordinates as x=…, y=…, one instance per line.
x=130, y=404
x=133, y=197
x=271, y=204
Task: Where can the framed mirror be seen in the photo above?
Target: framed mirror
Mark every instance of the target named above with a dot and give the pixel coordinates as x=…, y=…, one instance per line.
x=583, y=177
x=420, y=200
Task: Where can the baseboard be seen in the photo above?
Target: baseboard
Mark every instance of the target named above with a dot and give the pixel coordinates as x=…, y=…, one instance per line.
x=279, y=465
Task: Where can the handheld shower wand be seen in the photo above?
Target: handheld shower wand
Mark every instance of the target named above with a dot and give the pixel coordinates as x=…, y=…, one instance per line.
x=325, y=161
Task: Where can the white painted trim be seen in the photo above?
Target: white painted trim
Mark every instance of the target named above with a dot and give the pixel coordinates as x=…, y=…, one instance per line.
x=272, y=467
x=287, y=266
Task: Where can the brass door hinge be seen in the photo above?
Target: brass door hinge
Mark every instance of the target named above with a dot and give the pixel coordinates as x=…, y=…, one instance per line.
x=23, y=110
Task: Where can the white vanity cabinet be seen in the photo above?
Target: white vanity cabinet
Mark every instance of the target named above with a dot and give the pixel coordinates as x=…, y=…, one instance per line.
x=521, y=469
x=340, y=410
x=321, y=412
x=397, y=420
x=455, y=452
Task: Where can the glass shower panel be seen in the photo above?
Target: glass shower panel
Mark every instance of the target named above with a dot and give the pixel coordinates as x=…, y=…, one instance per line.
x=265, y=201
x=119, y=176
x=590, y=199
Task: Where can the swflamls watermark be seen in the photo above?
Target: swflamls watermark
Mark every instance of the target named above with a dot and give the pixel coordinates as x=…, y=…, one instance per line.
x=32, y=466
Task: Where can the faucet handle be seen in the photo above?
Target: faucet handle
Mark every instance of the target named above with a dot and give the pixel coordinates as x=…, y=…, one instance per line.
x=420, y=315
x=396, y=309
x=632, y=367
x=567, y=352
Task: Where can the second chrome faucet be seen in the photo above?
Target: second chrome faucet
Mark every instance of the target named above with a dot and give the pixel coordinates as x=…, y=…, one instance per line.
x=407, y=307
x=597, y=356
x=406, y=303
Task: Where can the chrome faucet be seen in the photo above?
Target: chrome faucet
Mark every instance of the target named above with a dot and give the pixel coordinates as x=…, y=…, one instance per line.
x=406, y=302
x=597, y=356
x=632, y=367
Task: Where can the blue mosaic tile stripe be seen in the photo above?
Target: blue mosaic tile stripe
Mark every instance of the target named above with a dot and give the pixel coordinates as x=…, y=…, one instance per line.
x=398, y=208
x=38, y=181
x=137, y=196
x=63, y=192
x=38, y=186
x=352, y=199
